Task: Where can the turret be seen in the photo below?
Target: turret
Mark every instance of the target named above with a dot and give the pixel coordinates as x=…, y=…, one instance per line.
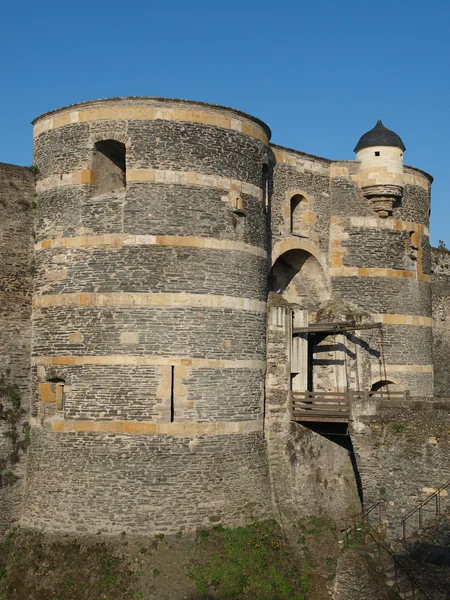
x=380, y=152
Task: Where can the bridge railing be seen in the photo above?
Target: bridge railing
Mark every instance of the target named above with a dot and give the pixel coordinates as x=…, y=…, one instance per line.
x=320, y=406
x=334, y=406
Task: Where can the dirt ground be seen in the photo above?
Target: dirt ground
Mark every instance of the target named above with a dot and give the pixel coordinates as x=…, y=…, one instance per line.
x=256, y=562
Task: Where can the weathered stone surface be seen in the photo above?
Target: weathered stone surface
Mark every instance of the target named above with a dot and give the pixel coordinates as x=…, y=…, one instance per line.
x=441, y=321
x=148, y=390
x=16, y=282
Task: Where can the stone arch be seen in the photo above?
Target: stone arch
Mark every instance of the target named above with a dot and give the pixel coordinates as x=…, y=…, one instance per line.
x=112, y=134
x=297, y=192
x=300, y=278
x=383, y=384
x=295, y=243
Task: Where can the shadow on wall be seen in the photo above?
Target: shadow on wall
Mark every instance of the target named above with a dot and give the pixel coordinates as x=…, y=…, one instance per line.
x=298, y=276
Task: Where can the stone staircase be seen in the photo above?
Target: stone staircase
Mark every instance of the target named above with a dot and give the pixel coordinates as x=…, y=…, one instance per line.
x=418, y=566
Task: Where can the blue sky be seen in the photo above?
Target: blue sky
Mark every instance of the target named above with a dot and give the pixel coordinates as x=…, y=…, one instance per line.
x=319, y=73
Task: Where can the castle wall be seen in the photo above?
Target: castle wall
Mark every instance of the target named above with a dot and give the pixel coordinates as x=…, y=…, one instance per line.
x=311, y=474
x=150, y=310
x=441, y=320
x=402, y=452
x=16, y=283
x=383, y=266
x=157, y=223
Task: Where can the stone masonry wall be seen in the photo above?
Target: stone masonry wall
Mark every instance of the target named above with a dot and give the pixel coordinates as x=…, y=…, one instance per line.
x=150, y=406
x=441, y=321
x=16, y=283
x=383, y=266
x=310, y=473
x=150, y=307
x=403, y=453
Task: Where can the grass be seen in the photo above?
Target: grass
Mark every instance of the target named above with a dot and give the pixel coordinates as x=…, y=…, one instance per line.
x=255, y=562
x=63, y=571
x=248, y=563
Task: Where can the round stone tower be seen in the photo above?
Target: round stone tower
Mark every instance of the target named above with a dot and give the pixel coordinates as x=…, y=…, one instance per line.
x=380, y=154
x=149, y=317
x=386, y=260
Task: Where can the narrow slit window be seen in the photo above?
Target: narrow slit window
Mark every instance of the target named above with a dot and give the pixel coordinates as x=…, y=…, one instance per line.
x=265, y=185
x=60, y=396
x=109, y=166
x=172, y=394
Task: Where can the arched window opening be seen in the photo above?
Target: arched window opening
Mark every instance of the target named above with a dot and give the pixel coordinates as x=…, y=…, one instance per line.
x=382, y=386
x=108, y=164
x=298, y=205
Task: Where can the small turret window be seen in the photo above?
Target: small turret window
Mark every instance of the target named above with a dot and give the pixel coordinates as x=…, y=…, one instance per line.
x=108, y=164
x=377, y=153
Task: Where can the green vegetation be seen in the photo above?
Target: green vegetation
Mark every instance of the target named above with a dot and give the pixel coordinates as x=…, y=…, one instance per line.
x=12, y=413
x=34, y=169
x=399, y=428
x=251, y=562
x=442, y=245
x=32, y=568
x=257, y=562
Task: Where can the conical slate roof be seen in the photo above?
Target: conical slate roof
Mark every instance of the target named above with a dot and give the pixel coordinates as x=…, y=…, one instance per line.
x=379, y=136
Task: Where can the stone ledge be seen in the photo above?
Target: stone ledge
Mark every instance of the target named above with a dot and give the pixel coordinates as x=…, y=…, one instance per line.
x=125, y=360
x=402, y=369
x=393, y=319
x=344, y=271
x=149, y=427
x=118, y=240
x=167, y=176
x=130, y=299
x=149, y=113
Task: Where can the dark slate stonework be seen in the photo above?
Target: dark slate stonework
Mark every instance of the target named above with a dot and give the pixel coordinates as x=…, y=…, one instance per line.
x=16, y=281
x=115, y=392
x=151, y=269
x=63, y=150
x=441, y=320
x=385, y=294
x=148, y=359
x=59, y=212
x=150, y=483
x=109, y=392
x=376, y=248
x=163, y=209
x=182, y=146
x=314, y=183
x=415, y=205
x=347, y=199
x=407, y=344
x=181, y=331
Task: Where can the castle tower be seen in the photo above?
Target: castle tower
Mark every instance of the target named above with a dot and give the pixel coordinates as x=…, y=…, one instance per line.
x=380, y=154
x=381, y=258
x=149, y=317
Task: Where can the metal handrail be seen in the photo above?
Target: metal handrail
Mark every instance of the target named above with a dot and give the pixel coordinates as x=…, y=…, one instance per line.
x=380, y=544
x=436, y=494
x=397, y=564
